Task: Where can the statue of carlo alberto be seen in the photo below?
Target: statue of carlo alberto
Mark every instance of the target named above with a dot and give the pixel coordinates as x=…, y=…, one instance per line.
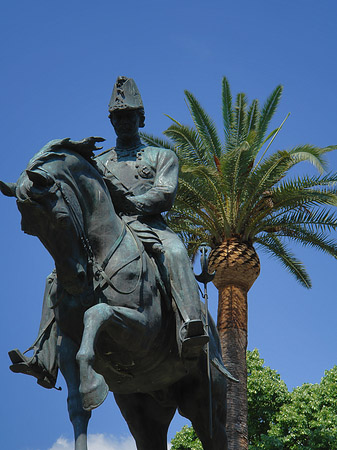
x=143, y=182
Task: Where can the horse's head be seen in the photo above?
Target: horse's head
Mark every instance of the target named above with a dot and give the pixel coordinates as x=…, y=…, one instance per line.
x=51, y=211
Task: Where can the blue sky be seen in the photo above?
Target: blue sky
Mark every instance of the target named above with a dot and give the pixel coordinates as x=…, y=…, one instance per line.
x=59, y=61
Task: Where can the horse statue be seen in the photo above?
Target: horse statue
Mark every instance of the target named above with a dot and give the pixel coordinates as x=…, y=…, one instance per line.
x=116, y=322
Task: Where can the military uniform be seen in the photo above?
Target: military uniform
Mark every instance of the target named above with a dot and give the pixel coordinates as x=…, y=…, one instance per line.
x=143, y=183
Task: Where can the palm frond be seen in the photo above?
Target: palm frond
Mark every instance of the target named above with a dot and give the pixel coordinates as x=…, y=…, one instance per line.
x=238, y=133
x=213, y=181
x=223, y=192
x=272, y=137
x=276, y=249
x=269, y=173
x=309, y=238
x=267, y=112
x=188, y=145
x=253, y=116
x=190, y=197
x=204, y=124
x=311, y=219
x=154, y=141
x=304, y=181
x=310, y=153
x=294, y=207
x=227, y=113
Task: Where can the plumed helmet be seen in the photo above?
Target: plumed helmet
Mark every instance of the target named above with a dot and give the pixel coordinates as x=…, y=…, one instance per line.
x=125, y=95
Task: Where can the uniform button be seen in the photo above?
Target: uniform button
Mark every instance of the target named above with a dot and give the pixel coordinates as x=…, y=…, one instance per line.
x=136, y=176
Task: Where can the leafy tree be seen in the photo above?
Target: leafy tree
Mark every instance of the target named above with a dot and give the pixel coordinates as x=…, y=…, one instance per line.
x=309, y=420
x=233, y=198
x=305, y=418
x=186, y=439
x=267, y=393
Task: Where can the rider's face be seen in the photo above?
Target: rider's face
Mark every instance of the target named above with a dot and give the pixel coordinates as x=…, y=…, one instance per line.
x=125, y=123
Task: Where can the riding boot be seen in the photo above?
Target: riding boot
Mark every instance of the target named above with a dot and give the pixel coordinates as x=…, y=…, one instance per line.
x=191, y=334
x=43, y=364
x=31, y=366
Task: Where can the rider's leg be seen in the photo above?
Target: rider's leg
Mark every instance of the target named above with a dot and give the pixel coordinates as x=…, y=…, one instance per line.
x=185, y=292
x=43, y=364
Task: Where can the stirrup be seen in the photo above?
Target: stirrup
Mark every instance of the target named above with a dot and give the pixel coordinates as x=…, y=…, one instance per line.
x=193, y=328
x=25, y=365
x=193, y=340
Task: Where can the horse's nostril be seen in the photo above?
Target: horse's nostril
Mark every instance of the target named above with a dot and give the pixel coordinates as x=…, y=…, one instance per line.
x=81, y=273
x=82, y=276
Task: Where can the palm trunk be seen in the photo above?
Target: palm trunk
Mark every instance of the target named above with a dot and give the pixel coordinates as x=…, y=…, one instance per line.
x=232, y=327
x=237, y=267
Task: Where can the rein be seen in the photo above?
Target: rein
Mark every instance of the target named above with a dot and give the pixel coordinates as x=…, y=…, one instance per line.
x=99, y=269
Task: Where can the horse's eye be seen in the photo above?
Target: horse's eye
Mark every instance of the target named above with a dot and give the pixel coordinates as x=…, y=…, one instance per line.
x=61, y=217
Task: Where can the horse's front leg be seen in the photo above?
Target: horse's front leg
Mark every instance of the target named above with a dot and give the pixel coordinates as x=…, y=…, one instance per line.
x=78, y=416
x=93, y=387
x=124, y=321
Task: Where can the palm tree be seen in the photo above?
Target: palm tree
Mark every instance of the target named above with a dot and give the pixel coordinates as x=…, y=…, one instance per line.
x=235, y=199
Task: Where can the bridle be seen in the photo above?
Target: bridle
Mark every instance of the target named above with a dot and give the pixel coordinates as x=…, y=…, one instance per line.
x=100, y=278
x=99, y=273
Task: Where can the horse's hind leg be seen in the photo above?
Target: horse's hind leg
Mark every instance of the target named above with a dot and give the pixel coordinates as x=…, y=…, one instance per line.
x=78, y=416
x=194, y=404
x=148, y=421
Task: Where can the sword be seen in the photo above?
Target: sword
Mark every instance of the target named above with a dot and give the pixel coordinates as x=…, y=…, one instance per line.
x=205, y=278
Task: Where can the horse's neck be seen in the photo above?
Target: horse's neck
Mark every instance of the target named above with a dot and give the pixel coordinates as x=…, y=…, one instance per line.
x=102, y=224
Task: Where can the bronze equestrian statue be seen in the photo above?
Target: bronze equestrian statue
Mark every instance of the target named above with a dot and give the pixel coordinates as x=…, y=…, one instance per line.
x=121, y=310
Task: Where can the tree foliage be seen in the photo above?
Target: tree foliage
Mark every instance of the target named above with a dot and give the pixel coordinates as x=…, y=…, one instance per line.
x=305, y=418
x=186, y=439
x=234, y=188
x=309, y=420
x=267, y=393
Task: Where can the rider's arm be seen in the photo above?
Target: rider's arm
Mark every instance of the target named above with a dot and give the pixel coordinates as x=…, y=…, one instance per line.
x=161, y=195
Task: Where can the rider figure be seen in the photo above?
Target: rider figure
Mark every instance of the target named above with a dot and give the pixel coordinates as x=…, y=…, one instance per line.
x=143, y=182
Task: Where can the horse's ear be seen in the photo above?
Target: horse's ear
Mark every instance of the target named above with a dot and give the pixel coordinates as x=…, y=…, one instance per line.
x=39, y=178
x=8, y=189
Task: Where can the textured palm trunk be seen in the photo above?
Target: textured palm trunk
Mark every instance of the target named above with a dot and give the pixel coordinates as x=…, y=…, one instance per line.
x=237, y=267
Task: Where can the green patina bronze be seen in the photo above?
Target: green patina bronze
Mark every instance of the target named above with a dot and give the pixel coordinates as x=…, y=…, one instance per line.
x=121, y=311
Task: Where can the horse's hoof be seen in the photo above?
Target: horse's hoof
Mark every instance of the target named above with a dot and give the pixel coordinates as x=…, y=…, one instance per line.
x=95, y=395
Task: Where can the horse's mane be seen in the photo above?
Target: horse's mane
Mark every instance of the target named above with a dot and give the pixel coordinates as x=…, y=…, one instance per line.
x=63, y=150
x=57, y=147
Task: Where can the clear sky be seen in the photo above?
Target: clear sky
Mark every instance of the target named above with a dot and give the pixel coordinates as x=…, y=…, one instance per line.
x=59, y=61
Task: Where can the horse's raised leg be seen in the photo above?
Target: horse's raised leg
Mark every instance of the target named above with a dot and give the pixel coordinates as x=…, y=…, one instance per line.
x=78, y=416
x=194, y=404
x=93, y=387
x=148, y=420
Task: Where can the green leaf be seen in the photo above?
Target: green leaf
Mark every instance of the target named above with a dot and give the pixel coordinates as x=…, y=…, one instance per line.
x=268, y=112
x=204, y=125
x=274, y=246
x=227, y=108
x=154, y=141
